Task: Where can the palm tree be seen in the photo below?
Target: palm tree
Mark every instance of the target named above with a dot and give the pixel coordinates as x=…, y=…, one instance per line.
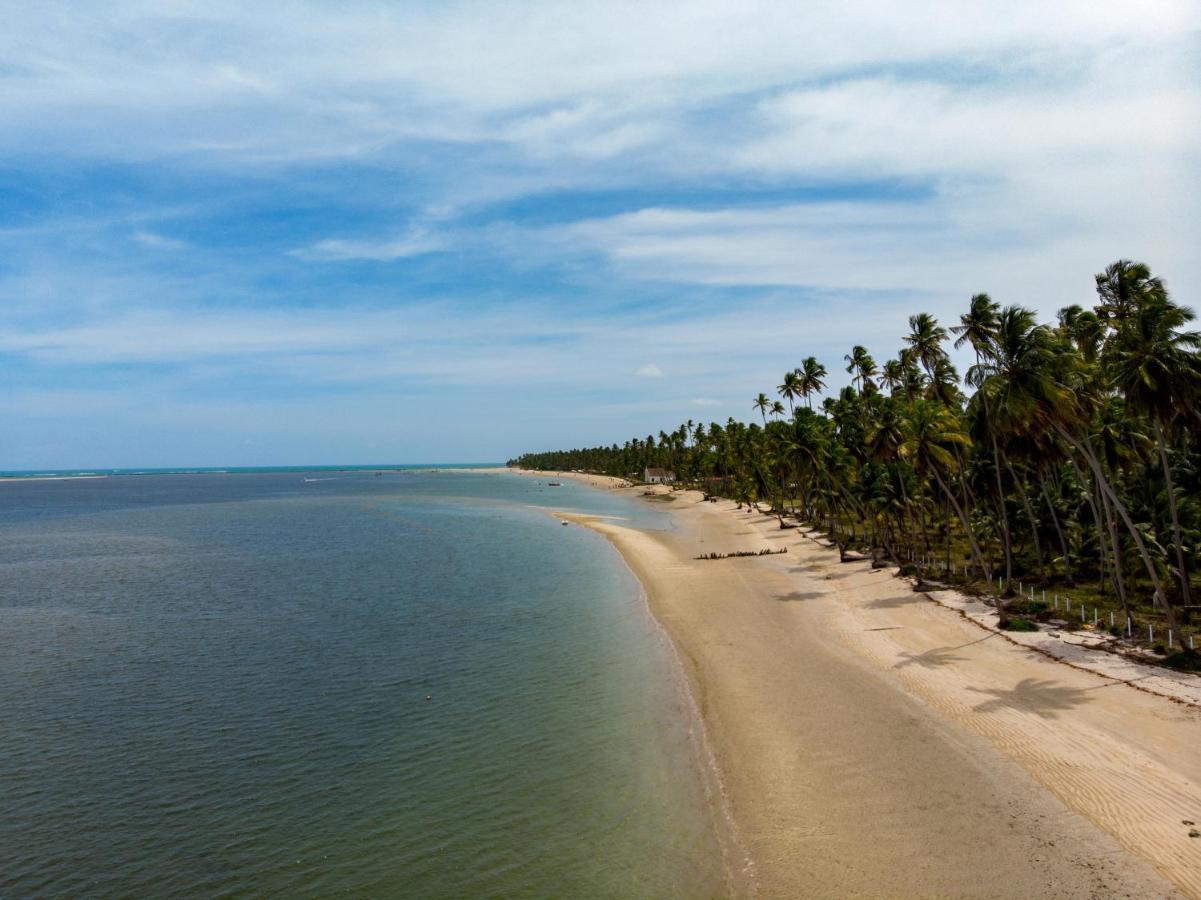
x=925, y=341
x=812, y=375
x=860, y=363
x=1123, y=287
x=763, y=404
x=978, y=326
x=791, y=388
x=931, y=431
x=1084, y=329
x=1155, y=365
x=892, y=374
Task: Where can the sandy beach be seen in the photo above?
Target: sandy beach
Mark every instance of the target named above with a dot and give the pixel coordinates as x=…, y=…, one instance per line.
x=871, y=742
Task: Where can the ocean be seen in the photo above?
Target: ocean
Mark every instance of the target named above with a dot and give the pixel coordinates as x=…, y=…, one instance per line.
x=318, y=682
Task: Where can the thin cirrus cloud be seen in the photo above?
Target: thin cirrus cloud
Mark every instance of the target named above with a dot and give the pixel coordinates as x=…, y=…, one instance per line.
x=382, y=199
x=158, y=241
x=416, y=243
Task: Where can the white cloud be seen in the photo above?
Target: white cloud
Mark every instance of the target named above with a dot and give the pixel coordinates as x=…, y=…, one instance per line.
x=158, y=241
x=1031, y=143
x=416, y=243
x=298, y=80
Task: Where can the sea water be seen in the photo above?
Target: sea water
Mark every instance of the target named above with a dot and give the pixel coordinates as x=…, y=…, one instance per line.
x=408, y=684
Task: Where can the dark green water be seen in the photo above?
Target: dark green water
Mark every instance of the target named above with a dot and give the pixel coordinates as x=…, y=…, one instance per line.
x=217, y=685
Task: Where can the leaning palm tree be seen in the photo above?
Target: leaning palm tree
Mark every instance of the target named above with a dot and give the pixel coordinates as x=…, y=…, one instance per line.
x=1156, y=367
x=763, y=404
x=1035, y=384
x=931, y=431
x=812, y=375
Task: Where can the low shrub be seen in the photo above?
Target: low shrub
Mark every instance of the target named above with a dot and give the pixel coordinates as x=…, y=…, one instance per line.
x=1032, y=608
x=1017, y=623
x=1184, y=661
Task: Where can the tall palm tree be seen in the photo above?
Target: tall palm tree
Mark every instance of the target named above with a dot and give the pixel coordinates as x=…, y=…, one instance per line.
x=763, y=404
x=790, y=389
x=925, y=341
x=861, y=365
x=1084, y=329
x=812, y=375
x=1123, y=286
x=978, y=326
x=892, y=375
x=1156, y=367
x=931, y=430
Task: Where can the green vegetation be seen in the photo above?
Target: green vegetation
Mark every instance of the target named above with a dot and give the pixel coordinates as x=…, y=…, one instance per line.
x=1067, y=458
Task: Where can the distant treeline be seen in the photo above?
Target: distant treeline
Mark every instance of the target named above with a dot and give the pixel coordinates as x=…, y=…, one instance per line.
x=1069, y=455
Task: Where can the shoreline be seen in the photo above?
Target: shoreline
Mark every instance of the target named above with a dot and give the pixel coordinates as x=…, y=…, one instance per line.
x=737, y=864
x=871, y=741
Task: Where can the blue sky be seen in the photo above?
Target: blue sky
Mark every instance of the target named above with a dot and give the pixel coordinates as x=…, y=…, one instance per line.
x=243, y=234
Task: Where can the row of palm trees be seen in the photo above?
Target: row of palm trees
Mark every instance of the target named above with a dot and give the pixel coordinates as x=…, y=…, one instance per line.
x=1068, y=454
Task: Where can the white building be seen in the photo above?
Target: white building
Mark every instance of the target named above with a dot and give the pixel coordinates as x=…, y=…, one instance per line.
x=659, y=476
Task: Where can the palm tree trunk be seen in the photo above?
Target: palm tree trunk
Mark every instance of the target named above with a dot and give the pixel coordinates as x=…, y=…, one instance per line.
x=1025, y=498
x=908, y=511
x=1107, y=523
x=1004, y=517
x=1063, y=544
x=1167, y=477
x=1115, y=544
x=967, y=528
x=1122, y=512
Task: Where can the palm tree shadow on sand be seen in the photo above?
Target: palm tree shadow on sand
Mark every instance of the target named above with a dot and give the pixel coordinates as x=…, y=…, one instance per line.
x=896, y=600
x=931, y=659
x=1036, y=695
x=801, y=595
x=936, y=656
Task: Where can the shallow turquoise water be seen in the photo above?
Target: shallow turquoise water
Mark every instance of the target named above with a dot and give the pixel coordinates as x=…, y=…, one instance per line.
x=217, y=684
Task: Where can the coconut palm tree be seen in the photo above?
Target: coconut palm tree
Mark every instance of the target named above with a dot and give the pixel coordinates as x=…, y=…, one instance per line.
x=763, y=404
x=931, y=430
x=1155, y=365
x=1122, y=287
x=862, y=366
x=892, y=375
x=812, y=375
x=978, y=326
x=790, y=389
x=924, y=341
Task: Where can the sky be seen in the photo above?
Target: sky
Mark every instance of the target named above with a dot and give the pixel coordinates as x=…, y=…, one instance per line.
x=301, y=233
